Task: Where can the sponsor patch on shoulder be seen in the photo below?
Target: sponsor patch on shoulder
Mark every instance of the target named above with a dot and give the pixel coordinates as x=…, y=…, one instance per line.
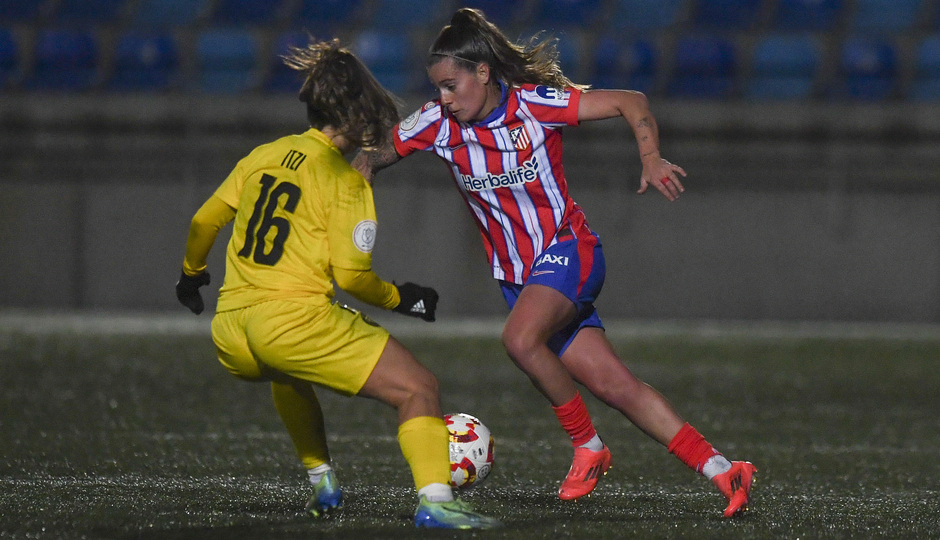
x=364, y=235
x=410, y=122
x=547, y=92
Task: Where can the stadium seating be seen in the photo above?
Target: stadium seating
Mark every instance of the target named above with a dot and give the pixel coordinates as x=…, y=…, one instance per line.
x=9, y=57
x=925, y=85
x=324, y=18
x=557, y=14
x=144, y=62
x=732, y=15
x=12, y=11
x=84, y=11
x=868, y=69
x=504, y=13
x=226, y=61
x=784, y=67
x=389, y=56
x=247, y=12
x=281, y=78
x=711, y=49
x=808, y=15
x=168, y=14
x=402, y=15
x=646, y=15
x=886, y=15
x=624, y=64
x=705, y=67
x=65, y=60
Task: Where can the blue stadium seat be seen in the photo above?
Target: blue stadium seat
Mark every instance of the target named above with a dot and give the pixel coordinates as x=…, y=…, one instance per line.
x=9, y=57
x=247, y=12
x=556, y=14
x=323, y=18
x=734, y=15
x=145, y=62
x=886, y=15
x=227, y=61
x=397, y=15
x=503, y=13
x=85, y=11
x=646, y=15
x=12, y=11
x=388, y=56
x=281, y=78
x=926, y=83
x=167, y=14
x=705, y=67
x=868, y=69
x=624, y=64
x=65, y=60
x=808, y=15
x=784, y=67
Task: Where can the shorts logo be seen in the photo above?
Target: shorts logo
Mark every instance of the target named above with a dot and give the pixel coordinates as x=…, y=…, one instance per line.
x=364, y=235
x=410, y=122
x=548, y=258
x=520, y=138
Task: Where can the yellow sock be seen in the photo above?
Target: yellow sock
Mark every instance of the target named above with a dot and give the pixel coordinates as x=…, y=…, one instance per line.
x=424, y=443
x=300, y=411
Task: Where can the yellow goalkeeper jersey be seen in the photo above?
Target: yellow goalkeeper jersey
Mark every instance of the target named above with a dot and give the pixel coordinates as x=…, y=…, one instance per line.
x=300, y=211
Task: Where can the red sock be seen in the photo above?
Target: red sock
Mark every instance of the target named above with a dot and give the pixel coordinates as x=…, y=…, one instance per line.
x=576, y=421
x=691, y=448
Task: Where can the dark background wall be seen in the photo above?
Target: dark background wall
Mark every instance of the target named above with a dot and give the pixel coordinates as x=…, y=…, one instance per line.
x=793, y=211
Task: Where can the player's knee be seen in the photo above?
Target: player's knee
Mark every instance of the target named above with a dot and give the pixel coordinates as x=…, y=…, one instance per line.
x=425, y=385
x=518, y=344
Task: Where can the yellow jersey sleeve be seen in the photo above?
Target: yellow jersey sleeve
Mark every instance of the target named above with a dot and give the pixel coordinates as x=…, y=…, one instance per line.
x=352, y=224
x=203, y=230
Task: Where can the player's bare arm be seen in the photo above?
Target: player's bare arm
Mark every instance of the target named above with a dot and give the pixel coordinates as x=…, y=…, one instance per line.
x=634, y=108
x=372, y=160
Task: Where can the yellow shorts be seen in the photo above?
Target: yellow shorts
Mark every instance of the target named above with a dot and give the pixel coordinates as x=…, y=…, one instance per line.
x=329, y=345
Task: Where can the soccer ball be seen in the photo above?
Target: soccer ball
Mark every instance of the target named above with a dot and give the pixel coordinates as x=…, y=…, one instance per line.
x=471, y=450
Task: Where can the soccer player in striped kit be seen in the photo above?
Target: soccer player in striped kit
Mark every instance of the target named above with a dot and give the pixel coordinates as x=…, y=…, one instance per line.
x=497, y=125
x=302, y=219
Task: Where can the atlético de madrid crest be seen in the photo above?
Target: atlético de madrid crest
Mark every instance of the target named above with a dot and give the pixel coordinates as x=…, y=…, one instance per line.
x=520, y=138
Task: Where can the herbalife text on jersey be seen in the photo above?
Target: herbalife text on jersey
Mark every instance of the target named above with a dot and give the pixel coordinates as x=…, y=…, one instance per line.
x=528, y=172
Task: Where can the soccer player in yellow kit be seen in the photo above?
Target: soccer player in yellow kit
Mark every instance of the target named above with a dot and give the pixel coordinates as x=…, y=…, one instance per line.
x=302, y=219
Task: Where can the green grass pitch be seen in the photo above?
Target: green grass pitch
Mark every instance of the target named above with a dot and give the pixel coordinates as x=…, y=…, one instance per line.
x=146, y=436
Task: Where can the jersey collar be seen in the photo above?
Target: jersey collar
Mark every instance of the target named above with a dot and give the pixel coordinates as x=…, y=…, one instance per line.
x=500, y=109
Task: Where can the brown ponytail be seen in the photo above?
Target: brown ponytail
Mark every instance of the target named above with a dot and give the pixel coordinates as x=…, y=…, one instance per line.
x=471, y=39
x=341, y=92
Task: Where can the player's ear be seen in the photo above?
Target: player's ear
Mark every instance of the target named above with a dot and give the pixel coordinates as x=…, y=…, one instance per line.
x=483, y=73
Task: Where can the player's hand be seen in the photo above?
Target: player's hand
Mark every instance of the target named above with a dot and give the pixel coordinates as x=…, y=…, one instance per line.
x=187, y=291
x=417, y=301
x=662, y=175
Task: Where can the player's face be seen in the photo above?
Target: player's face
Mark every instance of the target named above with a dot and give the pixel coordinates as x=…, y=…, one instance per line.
x=469, y=95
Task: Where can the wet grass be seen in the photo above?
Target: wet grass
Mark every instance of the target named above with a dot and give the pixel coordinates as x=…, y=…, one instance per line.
x=148, y=437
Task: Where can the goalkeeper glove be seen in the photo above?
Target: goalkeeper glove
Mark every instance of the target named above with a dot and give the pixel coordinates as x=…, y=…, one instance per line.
x=416, y=301
x=187, y=291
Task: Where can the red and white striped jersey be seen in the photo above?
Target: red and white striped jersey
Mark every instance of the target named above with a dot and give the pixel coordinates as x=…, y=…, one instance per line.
x=508, y=168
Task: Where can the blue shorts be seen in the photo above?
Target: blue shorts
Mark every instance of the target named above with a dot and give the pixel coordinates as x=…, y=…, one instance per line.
x=574, y=268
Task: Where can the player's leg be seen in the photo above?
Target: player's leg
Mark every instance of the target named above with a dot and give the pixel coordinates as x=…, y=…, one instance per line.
x=591, y=360
x=297, y=404
x=539, y=313
x=399, y=380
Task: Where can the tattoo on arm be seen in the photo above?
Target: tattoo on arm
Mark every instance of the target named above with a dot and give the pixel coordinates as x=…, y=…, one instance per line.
x=368, y=162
